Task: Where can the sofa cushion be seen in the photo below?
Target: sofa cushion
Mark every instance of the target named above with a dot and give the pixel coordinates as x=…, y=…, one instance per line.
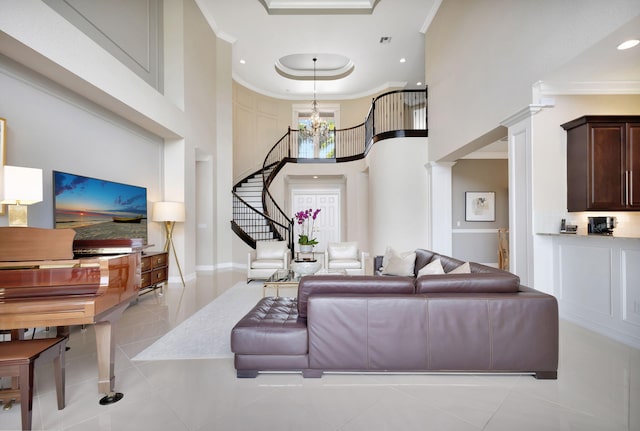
x=344, y=264
x=483, y=282
x=433, y=267
x=350, y=284
x=267, y=264
x=342, y=250
x=399, y=264
x=270, y=249
x=272, y=327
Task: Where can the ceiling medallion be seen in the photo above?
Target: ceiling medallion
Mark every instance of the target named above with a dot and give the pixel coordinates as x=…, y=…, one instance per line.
x=319, y=7
x=296, y=66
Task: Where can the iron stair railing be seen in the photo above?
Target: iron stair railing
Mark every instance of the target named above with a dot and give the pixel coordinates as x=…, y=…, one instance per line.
x=401, y=113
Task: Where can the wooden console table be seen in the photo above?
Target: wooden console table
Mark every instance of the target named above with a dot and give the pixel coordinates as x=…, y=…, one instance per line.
x=155, y=270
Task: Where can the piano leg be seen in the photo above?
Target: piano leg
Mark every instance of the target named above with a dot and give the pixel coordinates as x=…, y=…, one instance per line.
x=106, y=356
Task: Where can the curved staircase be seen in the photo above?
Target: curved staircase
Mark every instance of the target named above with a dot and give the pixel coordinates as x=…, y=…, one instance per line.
x=258, y=217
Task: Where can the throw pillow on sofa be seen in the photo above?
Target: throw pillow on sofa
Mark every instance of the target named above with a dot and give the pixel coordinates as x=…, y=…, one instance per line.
x=390, y=251
x=434, y=267
x=398, y=264
x=465, y=268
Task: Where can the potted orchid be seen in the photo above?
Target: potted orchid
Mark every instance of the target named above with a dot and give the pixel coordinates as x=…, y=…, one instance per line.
x=306, y=220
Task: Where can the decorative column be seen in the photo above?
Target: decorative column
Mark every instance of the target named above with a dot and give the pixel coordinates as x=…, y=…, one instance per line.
x=441, y=206
x=521, y=193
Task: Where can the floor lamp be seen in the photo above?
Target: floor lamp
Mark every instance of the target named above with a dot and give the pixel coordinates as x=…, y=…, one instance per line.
x=170, y=213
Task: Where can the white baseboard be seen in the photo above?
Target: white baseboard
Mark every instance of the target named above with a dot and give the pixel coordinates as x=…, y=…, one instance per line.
x=221, y=266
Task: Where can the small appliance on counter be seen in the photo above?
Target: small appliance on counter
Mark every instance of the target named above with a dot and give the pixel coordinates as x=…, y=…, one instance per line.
x=601, y=225
x=568, y=228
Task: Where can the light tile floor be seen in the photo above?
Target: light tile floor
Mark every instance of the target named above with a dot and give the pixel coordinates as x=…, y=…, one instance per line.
x=598, y=387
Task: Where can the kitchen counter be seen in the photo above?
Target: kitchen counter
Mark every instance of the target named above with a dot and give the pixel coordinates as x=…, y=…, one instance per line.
x=581, y=235
x=597, y=282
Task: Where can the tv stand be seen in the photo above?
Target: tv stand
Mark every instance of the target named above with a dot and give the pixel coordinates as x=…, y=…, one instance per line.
x=155, y=271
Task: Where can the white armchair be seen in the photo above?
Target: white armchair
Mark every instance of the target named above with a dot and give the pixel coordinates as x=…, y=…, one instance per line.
x=345, y=256
x=268, y=257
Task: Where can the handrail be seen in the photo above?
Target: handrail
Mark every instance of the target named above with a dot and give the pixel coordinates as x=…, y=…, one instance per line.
x=393, y=114
x=276, y=158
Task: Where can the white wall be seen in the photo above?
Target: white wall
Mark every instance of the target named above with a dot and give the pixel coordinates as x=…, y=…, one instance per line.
x=398, y=195
x=185, y=118
x=482, y=58
x=549, y=150
x=481, y=71
x=53, y=129
x=550, y=179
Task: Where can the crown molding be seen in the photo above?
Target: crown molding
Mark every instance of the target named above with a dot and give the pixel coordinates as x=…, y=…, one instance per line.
x=548, y=88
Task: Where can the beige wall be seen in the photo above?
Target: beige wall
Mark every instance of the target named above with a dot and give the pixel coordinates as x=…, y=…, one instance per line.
x=260, y=121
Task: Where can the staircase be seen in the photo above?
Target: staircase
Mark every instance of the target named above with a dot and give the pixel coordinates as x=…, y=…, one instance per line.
x=249, y=219
x=256, y=215
x=250, y=189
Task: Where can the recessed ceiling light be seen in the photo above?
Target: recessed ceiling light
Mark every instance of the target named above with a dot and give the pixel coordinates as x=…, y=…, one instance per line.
x=315, y=177
x=418, y=83
x=403, y=60
x=628, y=44
x=243, y=62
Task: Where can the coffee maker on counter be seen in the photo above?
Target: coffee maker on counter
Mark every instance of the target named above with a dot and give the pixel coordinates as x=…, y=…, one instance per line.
x=601, y=225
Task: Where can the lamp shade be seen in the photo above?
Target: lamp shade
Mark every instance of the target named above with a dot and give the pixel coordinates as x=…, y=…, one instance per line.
x=22, y=185
x=168, y=211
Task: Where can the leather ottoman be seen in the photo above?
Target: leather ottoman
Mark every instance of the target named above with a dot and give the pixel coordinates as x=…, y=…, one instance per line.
x=270, y=333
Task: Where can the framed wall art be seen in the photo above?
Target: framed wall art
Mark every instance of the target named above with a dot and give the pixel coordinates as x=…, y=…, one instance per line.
x=480, y=206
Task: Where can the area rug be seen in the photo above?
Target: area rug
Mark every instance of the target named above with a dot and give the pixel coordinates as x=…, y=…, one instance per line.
x=206, y=334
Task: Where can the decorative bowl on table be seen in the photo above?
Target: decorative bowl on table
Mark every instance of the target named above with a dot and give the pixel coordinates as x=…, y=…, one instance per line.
x=305, y=267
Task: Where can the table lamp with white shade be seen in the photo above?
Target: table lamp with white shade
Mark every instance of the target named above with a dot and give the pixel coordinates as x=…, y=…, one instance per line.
x=170, y=213
x=21, y=187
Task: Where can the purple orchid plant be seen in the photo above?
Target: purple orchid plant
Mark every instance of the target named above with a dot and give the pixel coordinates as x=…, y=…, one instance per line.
x=306, y=220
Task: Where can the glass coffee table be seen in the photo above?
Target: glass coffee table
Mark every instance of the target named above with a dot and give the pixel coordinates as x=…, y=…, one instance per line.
x=286, y=278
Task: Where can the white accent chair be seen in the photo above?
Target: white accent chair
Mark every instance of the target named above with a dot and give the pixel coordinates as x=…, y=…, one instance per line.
x=345, y=256
x=268, y=257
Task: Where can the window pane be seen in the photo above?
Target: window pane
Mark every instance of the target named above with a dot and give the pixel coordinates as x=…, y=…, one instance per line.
x=316, y=146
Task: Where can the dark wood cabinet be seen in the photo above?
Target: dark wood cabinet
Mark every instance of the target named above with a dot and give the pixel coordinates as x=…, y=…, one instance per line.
x=155, y=270
x=603, y=163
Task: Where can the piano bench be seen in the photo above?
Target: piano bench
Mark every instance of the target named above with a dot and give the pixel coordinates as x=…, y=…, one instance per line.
x=17, y=359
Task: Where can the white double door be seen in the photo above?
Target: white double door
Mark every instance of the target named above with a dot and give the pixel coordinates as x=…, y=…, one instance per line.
x=327, y=224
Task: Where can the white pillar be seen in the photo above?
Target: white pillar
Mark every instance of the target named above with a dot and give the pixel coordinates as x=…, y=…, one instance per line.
x=441, y=207
x=521, y=193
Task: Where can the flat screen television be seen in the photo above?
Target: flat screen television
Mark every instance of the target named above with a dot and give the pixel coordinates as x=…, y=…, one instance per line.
x=99, y=209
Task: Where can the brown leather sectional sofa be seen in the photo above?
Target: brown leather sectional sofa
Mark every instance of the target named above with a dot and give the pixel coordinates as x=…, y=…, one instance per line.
x=484, y=321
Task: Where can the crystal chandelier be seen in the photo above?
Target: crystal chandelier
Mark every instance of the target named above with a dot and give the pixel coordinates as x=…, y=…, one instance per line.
x=317, y=126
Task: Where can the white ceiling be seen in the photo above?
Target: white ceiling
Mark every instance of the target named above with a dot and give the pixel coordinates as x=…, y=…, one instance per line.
x=347, y=28
x=601, y=69
x=345, y=37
